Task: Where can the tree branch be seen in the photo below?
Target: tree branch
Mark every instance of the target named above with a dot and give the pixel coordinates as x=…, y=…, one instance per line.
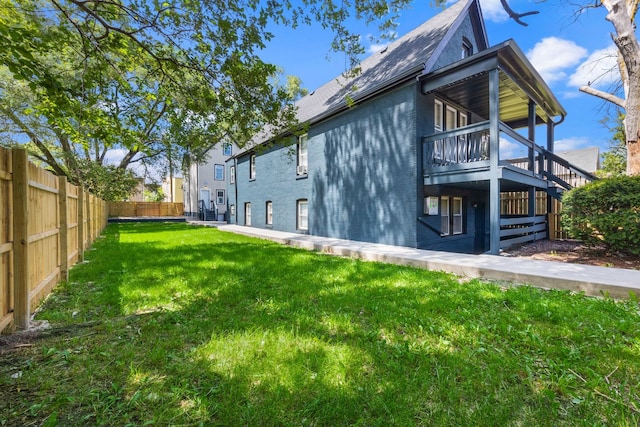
x=515, y=15
x=604, y=95
x=49, y=159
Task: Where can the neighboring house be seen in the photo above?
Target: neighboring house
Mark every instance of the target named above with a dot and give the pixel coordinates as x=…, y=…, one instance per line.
x=138, y=193
x=587, y=159
x=205, y=186
x=173, y=191
x=408, y=152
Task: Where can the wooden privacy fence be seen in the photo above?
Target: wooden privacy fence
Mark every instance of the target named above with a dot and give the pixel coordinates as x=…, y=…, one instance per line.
x=46, y=224
x=517, y=204
x=137, y=209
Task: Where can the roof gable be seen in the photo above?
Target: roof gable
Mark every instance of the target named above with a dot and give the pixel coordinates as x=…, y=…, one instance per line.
x=404, y=57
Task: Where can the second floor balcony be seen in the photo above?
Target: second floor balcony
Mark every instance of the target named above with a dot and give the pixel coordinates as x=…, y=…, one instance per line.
x=508, y=105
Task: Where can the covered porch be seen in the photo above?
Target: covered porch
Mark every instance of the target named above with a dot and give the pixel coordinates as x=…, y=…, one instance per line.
x=503, y=148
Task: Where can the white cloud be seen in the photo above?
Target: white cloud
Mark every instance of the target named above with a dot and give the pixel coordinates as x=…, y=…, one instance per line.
x=599, y=69
x=571, y=143
x=511, y=150
x=492, y=10
x=552, y=55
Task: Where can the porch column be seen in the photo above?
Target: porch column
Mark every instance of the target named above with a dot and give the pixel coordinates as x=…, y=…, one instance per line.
x=551, y=205
x=531, y=133
x=531, y=136
x=550, y=143
x=494, y=153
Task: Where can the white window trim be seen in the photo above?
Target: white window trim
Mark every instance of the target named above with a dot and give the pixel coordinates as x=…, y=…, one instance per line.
x=445, y=209
x=252, y=166
x=247, y=213
x=299, y=216
x=218, y=197
x=454, y=112
x=269, y=212
x=302, y=149
x=438, y=124
x=232, y=175
x=455, y=215
x=218, y=168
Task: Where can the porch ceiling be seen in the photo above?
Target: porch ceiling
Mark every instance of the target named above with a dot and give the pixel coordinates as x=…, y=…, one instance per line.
x=467, y=83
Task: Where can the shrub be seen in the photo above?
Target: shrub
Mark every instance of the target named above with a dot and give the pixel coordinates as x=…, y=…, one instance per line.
x=605, y=212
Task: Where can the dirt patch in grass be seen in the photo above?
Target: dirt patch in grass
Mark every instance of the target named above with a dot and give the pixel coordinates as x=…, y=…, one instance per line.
x=573, y=251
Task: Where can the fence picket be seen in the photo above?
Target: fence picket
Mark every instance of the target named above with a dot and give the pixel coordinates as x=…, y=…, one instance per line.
x=42, y=220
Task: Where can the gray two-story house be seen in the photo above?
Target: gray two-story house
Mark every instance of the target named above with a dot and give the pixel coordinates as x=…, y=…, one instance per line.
x=408, y=152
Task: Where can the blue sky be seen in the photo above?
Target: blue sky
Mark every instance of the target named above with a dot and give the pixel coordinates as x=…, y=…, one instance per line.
x=568, y=51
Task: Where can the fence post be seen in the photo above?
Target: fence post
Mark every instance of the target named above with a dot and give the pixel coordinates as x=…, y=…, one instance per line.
x=87, y=215
x=64, y=228
x=80, y=224
x=21, y=309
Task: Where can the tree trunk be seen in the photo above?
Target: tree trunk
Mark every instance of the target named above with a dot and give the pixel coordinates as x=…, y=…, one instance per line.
x=621, y=15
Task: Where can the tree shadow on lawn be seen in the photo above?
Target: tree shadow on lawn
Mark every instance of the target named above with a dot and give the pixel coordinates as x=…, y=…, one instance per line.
x=243, y=331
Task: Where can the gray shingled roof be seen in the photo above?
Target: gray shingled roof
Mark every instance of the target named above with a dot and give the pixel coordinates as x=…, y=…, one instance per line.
x=404, y=57
x=587, y=159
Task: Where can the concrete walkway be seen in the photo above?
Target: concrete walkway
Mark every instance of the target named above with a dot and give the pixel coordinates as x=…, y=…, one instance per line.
x=594, y=281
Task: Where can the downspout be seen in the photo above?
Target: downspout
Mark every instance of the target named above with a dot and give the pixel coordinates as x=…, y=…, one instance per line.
x=550, y=134
x=235, y=188
x=197, y=188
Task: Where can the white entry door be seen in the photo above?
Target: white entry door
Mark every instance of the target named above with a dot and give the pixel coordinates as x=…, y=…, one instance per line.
x=205, y=195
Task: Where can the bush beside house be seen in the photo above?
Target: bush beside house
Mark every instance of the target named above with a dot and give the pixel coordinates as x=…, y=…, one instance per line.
x=605, y=212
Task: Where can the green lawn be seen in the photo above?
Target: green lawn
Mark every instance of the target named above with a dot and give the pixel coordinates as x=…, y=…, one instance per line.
x=171, y=324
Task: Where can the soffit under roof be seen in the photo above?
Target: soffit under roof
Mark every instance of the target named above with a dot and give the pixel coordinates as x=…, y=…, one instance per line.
x=467, y=83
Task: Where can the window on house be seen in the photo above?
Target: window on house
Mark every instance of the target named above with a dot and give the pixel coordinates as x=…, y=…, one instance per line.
x=226, y=149
x=232, y=174
x=247, y=213
x=467, y=48
x=451, y=216
x=451, y=118
x=431, y=204
x=456, y=213
x=218, y=172
x=444, y=216
x=252, y=167
x=303, y=214
x=302, y=150
x=437, y=117
x=232, y=210
x=220, y=199
x=462, y=145
x=269, y=213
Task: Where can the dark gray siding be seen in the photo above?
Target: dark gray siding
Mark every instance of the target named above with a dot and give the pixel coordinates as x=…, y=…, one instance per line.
x=453, y=50
x=363, y=168
x=361, y=180
x=275, y=181
x=475, y=209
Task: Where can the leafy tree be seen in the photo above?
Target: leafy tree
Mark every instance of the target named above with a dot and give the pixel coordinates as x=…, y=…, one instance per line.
x=108, y=182
x=153, y=193
x=154, y=80
x=614, y=161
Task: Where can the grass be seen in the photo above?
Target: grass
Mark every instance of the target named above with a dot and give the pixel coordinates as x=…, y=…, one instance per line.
x=170, y=324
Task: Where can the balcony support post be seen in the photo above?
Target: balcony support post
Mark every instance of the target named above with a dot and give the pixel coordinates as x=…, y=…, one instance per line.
x=494, y=159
